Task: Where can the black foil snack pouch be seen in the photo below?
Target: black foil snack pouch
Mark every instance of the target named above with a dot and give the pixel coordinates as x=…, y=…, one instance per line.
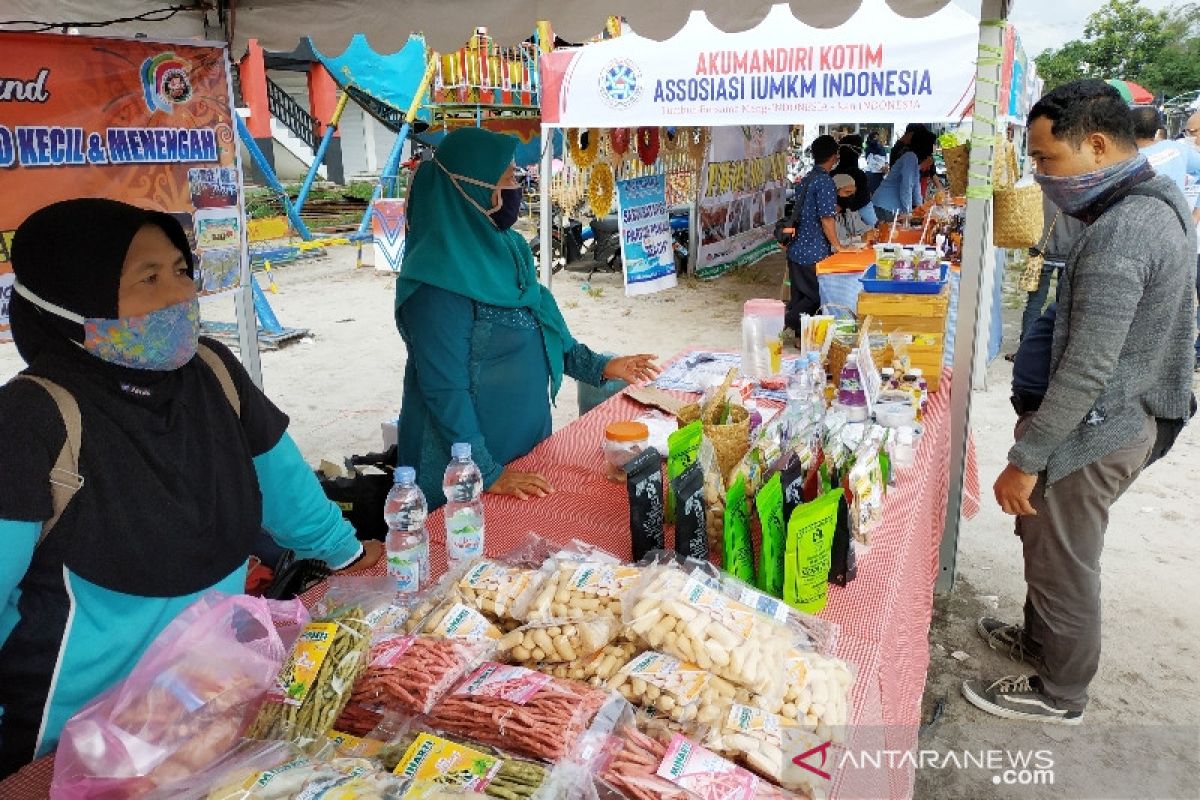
x=792, y=478
x=842, y=564
x=645, y=483
x=691, y=535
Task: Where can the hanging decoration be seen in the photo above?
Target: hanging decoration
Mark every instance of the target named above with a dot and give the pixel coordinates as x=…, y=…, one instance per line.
x=672, y=139
x=584, y=145
x=618, y=148
x=696, y=144
x=648, y=145
x=600, y=190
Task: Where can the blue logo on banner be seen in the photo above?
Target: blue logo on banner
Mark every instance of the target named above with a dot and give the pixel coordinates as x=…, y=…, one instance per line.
x=621, y=83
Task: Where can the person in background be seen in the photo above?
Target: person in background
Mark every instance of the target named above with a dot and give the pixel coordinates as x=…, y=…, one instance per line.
x=1178, y=160
x=1117, y=391
x=900, y=191
x=487, y=344
x=815, y=235
x=1059, y=234
x=1191, y=134
x=182, y=463
x=850, y=150
x=850, y=224
x=904, y=143
x=877, y=161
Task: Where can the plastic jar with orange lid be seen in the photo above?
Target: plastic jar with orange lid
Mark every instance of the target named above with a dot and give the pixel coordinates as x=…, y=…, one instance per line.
x=622, y=443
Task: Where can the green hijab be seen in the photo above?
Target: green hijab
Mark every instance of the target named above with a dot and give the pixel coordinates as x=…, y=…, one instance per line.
x=453, y=244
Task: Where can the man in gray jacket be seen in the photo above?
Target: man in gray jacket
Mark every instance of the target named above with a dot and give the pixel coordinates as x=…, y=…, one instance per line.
x=1120, y=361
x=1060, y=232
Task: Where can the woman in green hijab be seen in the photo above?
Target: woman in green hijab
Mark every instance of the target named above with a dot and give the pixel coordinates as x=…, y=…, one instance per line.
x=487, y=345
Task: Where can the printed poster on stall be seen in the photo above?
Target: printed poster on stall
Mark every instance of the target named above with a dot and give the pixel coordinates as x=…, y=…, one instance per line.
x=741, y=196
x=876, y=66
x=646, y=246
x=149, y=123
x=388, y=224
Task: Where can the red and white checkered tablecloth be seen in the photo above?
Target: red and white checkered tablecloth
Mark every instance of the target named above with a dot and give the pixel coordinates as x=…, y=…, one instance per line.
x=884, y=615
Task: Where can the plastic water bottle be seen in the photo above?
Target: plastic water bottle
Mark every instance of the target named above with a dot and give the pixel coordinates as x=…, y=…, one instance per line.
x=463, y=487
x=407, y=540
x=816, y=375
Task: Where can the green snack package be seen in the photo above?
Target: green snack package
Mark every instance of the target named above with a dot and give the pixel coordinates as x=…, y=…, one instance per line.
x=774, y=536
x=808, y=555
x=738, y=548
x=682, y=448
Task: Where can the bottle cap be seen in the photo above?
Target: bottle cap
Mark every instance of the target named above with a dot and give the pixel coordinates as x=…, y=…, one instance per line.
x=405, y=475
x=460, y=450
x=628, y=431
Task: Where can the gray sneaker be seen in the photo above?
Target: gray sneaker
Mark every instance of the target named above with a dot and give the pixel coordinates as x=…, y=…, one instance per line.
x=1010, y=640
x=1018, y=697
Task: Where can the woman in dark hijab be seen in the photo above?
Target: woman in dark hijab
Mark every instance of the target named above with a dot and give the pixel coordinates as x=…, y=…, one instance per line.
x=850, y=149
x=117, y=515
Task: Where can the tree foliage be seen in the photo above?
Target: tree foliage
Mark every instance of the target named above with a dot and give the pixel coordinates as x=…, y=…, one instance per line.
x=1123, y=39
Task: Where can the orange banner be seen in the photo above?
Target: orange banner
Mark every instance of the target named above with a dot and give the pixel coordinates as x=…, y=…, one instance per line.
x=149, y=123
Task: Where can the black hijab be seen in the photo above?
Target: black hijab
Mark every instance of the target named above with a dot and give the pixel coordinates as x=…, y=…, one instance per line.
x=849, y=149
x=170, y=502
x=71, y=253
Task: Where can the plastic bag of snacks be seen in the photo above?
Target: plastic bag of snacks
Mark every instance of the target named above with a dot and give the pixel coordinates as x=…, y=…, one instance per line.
x=454, y=619
x=669, y=688
x=408, y=674
x=315, y=682
x=278, y=771
x=687, y=616
x=595, y=670
x=496, y=588
x=752, y=737
x=428, y=754
x=810, y=632
x=528, y=713
x=818, y=693
x=557, y=641
x=633, y=768
x=185, y=703
x=708, y=776
x=571, y=589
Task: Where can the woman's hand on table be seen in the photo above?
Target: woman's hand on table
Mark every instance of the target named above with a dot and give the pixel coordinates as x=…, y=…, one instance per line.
x=372, y=553
x=521, y=485
x=632, y=369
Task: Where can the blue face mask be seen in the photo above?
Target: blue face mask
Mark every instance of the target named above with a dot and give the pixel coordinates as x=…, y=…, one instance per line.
x=510, y=209
x=162, y=340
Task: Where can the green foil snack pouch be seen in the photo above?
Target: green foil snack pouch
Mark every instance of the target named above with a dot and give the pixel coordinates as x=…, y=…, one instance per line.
x=738, y=549
x=774, y=536
x=682, y=448
x=807, y=555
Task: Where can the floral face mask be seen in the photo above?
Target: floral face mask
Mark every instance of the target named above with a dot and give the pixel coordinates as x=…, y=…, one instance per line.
x=162, y=340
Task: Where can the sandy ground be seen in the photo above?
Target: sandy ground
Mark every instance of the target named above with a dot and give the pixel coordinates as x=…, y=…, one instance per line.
x=339, y=385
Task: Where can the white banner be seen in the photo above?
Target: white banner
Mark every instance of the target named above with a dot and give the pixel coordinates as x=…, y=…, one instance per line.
x=647, y=250
x=741, y=196
x=876, y=67
x=6, y=281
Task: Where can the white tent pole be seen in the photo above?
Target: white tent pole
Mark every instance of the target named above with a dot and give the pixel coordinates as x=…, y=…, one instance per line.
x=978, y=259
x=545, y=209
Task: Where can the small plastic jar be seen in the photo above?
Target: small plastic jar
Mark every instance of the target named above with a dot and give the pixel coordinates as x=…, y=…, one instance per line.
x=622, y=443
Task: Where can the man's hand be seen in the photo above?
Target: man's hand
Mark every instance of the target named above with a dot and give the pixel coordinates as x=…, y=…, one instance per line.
x=372, y=553
x=1013, y=489
x=632, y=369
x=521, y=485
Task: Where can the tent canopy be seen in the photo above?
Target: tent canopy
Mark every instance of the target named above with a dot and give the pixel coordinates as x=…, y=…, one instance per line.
x=447, y=24
x=878, y=66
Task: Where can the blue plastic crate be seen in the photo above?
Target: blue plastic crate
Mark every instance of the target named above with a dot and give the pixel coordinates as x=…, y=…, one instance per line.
x=872, y=284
